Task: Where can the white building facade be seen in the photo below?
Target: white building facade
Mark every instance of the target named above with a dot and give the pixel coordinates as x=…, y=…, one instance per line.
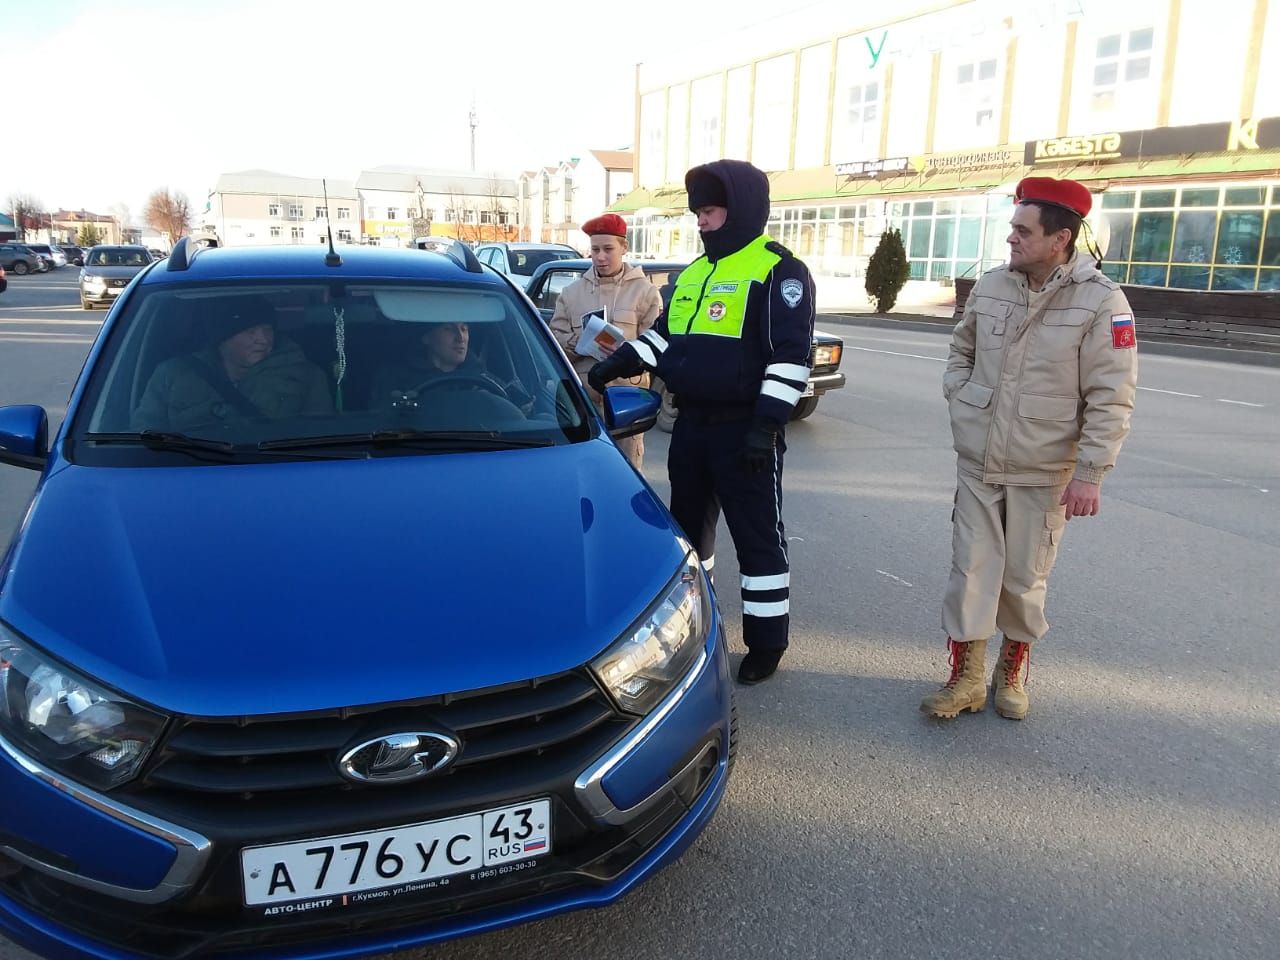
x=258, y=207
x=925, y=119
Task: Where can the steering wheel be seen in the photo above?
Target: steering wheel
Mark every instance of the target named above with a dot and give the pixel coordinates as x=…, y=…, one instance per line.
x=463, y=381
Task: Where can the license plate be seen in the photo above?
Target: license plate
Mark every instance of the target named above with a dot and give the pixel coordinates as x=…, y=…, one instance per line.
x=113, y=291
x=808, y=390
x=355, y=862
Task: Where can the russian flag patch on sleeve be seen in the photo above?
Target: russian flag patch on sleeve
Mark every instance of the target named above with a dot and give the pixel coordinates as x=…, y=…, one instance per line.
x=1122, y=334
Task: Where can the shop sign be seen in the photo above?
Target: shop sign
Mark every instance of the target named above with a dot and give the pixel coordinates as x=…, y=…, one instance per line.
x=1235, y=136
x=958, y=161
x=874, y=168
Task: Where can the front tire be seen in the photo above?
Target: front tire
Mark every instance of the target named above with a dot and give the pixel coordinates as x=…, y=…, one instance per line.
x=85, y=304
x=20, y=268
x=805, y=407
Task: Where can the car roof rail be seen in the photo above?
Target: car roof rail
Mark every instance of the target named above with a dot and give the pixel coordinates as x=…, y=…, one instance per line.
x=464, y=257
x=182, y=255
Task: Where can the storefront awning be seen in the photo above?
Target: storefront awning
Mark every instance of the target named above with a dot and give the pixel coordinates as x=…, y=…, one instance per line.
x=823, y=184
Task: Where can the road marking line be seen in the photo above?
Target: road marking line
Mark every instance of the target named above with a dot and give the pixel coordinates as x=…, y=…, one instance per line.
x=1241, y=403
x=1172, y=393
x=20, y=337
x=46, y=323
x=1203, y=473
x=891, y=353
x=893, y=578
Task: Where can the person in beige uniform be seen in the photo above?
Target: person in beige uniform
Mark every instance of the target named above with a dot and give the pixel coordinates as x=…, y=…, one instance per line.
x=632, y=303
x=1040, y=383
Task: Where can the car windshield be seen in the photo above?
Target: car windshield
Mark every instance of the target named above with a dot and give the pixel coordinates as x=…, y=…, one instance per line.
x=323, y=368
x=118, y=258
x=524, y=262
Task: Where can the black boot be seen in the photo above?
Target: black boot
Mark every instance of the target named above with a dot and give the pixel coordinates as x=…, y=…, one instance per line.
x=758, y=665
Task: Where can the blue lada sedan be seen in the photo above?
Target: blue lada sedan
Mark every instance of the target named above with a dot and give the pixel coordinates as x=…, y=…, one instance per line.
x=338, y=624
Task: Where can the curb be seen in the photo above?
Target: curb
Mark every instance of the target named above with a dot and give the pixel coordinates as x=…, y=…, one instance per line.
x=1160, y=346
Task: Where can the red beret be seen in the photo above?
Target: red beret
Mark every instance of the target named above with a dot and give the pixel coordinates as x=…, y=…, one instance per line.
x=608, y=223
x=1067, y=194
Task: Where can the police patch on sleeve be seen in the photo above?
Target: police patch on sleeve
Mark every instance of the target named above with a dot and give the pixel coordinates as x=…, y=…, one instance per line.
x=792, y=292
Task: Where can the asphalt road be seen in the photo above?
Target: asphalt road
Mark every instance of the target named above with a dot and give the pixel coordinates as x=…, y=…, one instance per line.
x=1134, y=814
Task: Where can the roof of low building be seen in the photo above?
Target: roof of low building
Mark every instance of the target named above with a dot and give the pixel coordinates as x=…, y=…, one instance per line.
x=408, y=179
x=282, y=184
x=615, y=159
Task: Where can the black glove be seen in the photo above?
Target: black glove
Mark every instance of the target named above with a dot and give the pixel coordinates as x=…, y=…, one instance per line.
x=757, y=452
x=606, y=370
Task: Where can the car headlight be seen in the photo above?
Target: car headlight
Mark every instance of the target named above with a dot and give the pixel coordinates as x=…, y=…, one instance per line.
x=92, y=281
x=826, y=354
x=70, y=724
x=644, y=664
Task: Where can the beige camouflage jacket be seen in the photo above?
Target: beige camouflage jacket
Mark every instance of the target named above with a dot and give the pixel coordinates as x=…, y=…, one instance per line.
x=1037, y=396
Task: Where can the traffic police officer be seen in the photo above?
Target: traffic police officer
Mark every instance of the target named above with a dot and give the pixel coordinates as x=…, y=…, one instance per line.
x=734, y=350
x=1041, y=383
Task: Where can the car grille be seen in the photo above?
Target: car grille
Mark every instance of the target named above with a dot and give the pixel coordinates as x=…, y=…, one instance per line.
x=117, y=283
x=515, y=727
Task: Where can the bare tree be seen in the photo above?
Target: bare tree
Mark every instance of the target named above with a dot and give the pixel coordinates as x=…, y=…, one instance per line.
x=27, y=213
x=465, y=215
x=119, y=212
x=168, y=211
x=495, y=206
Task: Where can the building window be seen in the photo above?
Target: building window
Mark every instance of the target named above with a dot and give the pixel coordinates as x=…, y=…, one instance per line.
x=295, y=211
x=862, y=113
x=295, y=232
x=468, y=216
x=275, y=231
x=411, y=213
x=1120, y=60
x=503, y=218
x=273, y=210
x=322, y=213
x=344, y=236
x=428, y=213
x=486, y=216
x=391, y=213
x=344, y=213
x=976, y=90
x=449, y=216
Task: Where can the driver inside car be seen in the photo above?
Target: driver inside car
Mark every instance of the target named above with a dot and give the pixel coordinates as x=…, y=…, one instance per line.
x=444, y=365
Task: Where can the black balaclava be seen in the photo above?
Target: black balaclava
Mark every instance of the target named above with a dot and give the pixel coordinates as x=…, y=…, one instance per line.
x=739, y=187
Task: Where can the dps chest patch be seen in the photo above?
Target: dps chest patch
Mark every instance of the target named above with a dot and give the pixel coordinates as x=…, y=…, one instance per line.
x=1122, y=332
x=723, y=288
x=715, y=310
x=792, y=291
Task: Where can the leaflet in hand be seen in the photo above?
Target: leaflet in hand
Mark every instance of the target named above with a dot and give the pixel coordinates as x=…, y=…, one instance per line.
x=599, y=337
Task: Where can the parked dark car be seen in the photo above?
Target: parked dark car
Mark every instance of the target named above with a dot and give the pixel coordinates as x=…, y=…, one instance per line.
x=519, y=260
x=74, y=254
x=107, y=270
x=18, y=258
x=551, y=278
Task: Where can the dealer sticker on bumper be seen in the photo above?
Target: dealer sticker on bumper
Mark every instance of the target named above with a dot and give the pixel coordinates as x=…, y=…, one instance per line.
x=356, y=862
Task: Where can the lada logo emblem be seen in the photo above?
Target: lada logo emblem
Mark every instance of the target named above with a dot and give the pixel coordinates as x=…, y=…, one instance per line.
x=398, y=757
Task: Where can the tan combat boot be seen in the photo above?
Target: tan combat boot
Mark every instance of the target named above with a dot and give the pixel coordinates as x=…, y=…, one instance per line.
x=967, y=687
x=1007, y=680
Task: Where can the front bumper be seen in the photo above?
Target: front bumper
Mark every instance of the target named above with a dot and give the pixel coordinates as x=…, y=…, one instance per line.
x=821, y=383
x=100, y=294
x=83, y=876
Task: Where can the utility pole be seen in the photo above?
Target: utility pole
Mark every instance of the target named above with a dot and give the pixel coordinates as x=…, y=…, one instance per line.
x=474, y=124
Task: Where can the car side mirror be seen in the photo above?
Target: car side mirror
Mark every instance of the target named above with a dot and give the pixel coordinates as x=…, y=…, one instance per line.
x=630, y=410
x=24, y=436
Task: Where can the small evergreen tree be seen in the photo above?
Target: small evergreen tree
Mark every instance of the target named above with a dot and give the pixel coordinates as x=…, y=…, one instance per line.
x=89, y=236
x=887, y=271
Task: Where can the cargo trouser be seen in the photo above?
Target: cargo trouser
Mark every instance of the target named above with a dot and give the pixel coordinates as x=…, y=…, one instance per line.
x=1004, y=541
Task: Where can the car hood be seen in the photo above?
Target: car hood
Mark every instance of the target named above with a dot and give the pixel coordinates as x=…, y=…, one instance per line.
x=283, y=587
x=113, y=273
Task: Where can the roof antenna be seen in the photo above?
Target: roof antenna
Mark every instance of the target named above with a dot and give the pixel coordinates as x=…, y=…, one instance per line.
x=331, y=259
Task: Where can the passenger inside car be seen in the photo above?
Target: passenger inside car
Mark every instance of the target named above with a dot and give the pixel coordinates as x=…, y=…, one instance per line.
x=245, y=372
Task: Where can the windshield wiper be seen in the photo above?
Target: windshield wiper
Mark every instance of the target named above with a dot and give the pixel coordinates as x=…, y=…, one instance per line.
x=424, y=439
x=165, y=440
